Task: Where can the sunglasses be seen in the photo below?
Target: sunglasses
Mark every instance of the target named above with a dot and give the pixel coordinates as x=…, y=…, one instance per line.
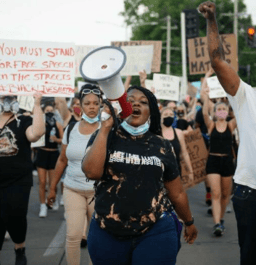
x=87, y=91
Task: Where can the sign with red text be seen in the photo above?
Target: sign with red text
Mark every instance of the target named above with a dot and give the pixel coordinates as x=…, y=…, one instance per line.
x=216, y=89
x=156, y=62
x=199, y=60
x=167, y=86
x=198, y=155
x=27, y=67
x=81, y=52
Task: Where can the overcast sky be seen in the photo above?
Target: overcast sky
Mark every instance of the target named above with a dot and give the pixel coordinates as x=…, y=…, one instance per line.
x=83, y=22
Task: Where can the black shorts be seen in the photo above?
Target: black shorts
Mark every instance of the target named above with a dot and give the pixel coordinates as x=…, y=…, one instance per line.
x=46, y=159
x=222, y=165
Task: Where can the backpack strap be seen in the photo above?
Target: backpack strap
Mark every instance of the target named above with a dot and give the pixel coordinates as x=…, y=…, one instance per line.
x=70, y=127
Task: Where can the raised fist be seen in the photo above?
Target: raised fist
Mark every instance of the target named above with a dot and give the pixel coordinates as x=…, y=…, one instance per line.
x=207, y=9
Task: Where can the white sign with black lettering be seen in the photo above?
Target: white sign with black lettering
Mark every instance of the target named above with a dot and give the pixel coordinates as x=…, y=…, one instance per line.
x=216, y=90
x=167, y=86
x=139, y=58
x=26, y=102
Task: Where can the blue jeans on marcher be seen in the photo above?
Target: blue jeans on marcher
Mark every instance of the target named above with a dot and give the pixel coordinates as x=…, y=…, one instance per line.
x=244, y=202
x=158, y=246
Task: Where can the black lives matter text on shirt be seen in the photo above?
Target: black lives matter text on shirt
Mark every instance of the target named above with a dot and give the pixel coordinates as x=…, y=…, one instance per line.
x=15, y=153
x=131, y=196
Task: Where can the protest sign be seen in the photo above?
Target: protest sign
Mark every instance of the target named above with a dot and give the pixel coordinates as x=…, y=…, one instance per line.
x=149, y=84
x=199, y=60
x=216, y=90
x=39, y=143
x=156, y=62
x=166, y=86
x=26, y=102
x=198, y=156
x=29, y=66
x=138, y=58
x=80, y=53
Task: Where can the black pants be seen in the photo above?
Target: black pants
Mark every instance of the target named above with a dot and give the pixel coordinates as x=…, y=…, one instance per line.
x=13, y=213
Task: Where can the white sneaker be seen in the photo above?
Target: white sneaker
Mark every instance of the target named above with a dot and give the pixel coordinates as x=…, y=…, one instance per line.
x=61, y=200
x=228, y=209
x=43, y=210
x=7, y=236
x=55, y=205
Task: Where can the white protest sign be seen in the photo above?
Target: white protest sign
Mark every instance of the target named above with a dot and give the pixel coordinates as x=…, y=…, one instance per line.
x=166, y=87
x=39, y=143
x=81, y=52
x=216, y=90
x=149, y=84
x=139, y=58
x=26, y=102
x=29, y=66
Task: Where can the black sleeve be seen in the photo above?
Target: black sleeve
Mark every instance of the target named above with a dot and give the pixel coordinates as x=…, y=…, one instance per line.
x=171, y=170
x=199, y=117
x=25, y=122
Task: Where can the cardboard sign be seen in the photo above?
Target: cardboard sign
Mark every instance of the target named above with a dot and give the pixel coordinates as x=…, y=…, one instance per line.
x=166, y=87
x=216, y=90
x=81, y=52
x=198, y=156
x=138, y=58
x=199, y=60
x=29, y=66
x=156, y=63
x=26, y=102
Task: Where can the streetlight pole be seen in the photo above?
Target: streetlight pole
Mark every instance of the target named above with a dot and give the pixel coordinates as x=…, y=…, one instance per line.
x=168, y=46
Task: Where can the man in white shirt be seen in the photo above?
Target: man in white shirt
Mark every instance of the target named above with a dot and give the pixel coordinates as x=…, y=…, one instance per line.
x=242, y=98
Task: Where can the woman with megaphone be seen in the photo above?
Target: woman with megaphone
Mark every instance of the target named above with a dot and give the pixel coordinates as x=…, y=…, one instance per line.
x=78, y=192
x=137, y=177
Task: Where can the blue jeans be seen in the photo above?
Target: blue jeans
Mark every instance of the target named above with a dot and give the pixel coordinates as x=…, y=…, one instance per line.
x=158, y=246
x=244, y=202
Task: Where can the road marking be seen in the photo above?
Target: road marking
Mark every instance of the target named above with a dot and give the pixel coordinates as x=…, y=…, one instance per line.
x=57, y=241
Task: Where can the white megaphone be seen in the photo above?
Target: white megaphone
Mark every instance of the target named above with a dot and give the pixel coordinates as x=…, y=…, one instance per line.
x=103, y=65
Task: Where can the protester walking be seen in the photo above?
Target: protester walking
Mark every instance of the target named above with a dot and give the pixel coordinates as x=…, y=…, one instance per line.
x=78, y=192
x=134, y=166
x=242, y=98
x=16, y=134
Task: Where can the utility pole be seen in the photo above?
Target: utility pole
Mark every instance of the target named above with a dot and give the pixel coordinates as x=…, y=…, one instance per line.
x=168, y=46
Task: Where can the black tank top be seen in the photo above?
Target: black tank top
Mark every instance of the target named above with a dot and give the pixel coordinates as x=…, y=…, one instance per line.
x=49, y=125
x=221, y=142
x=176, y=146
x=72, y=119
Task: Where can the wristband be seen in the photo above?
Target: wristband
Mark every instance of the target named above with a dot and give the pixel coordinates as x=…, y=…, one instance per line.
x=189, y=223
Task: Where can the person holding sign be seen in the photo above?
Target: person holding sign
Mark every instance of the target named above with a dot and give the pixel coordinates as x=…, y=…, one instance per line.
x=134, y=166
x=176, y=137
x=16, y=134
x=242, y=98
x=78, y=192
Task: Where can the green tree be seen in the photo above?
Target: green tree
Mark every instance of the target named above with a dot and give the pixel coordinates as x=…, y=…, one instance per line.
x=158, y=10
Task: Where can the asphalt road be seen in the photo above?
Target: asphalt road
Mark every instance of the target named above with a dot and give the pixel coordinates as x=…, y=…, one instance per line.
x=46, y=237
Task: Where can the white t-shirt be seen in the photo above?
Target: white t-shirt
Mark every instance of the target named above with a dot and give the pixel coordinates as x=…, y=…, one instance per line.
x=75, y=178
x=244, y=106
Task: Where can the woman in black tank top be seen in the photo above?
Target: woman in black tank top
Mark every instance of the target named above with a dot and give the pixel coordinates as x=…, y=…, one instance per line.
x=220, y=166
x=176, y=138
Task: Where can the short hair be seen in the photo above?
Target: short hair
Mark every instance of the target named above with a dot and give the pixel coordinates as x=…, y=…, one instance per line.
x=47, y=104
x=155, y=117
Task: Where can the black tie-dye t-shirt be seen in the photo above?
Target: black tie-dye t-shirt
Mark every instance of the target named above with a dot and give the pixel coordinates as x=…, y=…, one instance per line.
x=130, y=196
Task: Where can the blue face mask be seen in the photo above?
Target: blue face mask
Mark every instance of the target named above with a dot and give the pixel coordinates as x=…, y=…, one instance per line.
x=90, y=120
x=135, y=131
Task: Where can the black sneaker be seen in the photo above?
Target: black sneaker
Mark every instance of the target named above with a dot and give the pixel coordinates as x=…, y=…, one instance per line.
x=218, y=230
x=222, y=224
x=83, y=243
x=20, y=256
x=209, y=211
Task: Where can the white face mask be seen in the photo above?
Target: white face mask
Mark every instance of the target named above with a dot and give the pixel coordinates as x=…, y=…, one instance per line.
x=9, y=105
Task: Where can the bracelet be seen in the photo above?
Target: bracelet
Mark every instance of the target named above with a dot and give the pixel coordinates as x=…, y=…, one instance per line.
x=189, y=223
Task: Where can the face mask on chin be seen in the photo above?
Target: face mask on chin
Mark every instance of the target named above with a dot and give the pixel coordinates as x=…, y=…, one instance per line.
x=136, y=131
x=168, y=121
x=90, y=120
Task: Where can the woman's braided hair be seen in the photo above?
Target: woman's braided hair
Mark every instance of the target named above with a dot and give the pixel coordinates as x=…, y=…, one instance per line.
x=155, y=117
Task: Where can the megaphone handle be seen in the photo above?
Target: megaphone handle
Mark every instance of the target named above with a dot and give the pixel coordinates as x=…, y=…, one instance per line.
x=126, y=106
